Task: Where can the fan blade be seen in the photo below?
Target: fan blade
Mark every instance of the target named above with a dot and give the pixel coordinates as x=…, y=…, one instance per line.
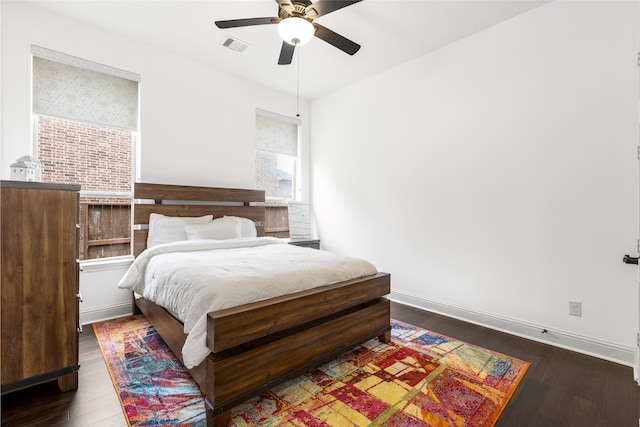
x=335, y=39
x=286, y=54
x=233, y=23
x=323, y=7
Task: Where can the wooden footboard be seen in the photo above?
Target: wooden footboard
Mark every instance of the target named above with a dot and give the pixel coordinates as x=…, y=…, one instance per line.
x=268, y=342
x=239, y=325
x=256, y=345
x=235, y=376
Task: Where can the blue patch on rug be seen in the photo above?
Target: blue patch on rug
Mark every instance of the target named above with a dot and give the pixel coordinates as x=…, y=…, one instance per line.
x=430, y=340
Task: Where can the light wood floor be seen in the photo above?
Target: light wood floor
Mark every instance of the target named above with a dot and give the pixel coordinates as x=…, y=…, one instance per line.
x=561, y=388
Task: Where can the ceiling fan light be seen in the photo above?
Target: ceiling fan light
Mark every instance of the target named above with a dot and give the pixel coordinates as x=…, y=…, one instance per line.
x=296, y=31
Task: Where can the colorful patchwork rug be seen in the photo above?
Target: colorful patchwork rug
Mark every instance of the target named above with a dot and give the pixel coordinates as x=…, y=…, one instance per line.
x=420, y=379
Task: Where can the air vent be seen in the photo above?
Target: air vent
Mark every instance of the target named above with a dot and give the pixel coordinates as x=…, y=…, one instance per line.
x=235, y=44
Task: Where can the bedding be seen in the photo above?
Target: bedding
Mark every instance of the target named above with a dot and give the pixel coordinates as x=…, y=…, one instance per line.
x=167, y=229
x=247, y=226
x=194, y=277
x=218, y=230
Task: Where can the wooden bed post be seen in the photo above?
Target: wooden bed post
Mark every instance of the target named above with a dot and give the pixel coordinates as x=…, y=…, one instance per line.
x=220, y=420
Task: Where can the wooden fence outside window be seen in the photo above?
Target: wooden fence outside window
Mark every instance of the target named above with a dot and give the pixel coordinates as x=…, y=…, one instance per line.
x=105, y=227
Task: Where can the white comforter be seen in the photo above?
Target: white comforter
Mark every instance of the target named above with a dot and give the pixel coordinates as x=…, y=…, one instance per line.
x=193, y=277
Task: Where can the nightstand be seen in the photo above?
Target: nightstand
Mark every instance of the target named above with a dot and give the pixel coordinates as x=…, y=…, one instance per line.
x=306, y=242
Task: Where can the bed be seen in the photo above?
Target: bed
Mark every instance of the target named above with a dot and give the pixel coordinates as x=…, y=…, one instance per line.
x=257, y=345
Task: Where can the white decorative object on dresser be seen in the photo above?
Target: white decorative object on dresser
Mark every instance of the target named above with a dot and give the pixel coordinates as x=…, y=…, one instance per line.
x=26, y=168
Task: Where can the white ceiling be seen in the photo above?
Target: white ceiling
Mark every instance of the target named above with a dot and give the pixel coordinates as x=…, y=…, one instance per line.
x=390, y=31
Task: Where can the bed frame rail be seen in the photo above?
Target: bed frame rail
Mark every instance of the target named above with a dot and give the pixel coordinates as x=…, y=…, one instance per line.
x=239, y=325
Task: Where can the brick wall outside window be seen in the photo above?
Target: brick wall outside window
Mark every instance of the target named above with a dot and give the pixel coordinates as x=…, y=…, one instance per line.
x=96, y=157
x=267, y=176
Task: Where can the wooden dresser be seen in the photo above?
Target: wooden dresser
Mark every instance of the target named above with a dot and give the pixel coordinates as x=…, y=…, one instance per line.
x=39, y=284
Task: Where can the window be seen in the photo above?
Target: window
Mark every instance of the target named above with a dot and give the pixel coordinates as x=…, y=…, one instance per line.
x=277, y=159
x=85, y=129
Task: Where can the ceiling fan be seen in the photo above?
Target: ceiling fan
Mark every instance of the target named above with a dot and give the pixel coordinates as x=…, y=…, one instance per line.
x=296, y=26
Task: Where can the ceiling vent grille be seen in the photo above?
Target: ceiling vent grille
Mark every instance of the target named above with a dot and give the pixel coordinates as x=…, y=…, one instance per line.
x=235, y=44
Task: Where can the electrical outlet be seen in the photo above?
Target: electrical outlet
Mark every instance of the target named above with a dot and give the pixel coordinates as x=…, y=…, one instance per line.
x=575, y=308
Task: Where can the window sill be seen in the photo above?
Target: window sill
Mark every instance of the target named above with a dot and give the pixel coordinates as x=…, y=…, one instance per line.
x=105, y=263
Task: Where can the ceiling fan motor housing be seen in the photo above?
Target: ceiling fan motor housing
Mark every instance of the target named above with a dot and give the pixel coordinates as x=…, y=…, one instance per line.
x=295, y=8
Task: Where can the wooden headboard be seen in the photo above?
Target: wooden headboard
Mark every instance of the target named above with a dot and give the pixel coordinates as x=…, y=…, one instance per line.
x=180, y=200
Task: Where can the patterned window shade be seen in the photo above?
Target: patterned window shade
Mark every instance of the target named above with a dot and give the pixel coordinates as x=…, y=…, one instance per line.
x=276, y=135
x=76, y=89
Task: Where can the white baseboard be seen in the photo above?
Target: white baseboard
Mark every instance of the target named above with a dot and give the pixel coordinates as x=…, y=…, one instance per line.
x=636, y=366
x=582, y=344
x=98, y=314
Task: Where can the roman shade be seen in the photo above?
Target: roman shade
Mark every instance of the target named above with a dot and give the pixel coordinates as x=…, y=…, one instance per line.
x=73, y=88
x=277, y=134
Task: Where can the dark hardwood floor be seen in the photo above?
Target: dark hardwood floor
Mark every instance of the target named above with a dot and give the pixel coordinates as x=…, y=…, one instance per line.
x=94, y=404
x=561, y=388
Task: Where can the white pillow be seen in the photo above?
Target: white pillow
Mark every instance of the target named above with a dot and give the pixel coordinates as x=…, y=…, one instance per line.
x=167, y=229
x=218, y=230
x=247, y=226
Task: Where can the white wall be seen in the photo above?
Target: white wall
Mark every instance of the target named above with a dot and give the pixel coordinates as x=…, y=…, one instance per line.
x=196, y=124
x=496, y=179
x=100, y=298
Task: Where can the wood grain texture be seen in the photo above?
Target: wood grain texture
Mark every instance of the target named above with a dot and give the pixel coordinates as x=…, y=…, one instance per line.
x=180, y=200
x=106, y=230
x=142, y=211
x=236, y=375
x=238, y=325
x=39, y=283
x=183, y=192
